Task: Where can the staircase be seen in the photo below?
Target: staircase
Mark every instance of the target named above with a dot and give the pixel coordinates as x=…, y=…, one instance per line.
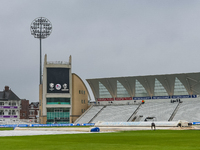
x=97, y=114
x=175, y=111
x=134, y=114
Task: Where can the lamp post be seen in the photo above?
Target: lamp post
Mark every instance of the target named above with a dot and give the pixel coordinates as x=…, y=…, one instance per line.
x=41, y=28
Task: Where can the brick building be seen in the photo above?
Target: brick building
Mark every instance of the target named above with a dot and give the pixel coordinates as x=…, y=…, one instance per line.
x=34, y=110
x=9, y=105
x=24, y=111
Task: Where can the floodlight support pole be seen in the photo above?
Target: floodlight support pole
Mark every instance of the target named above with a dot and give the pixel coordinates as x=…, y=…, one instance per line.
x=41, y=28
x=40, y=61
x=40, y=55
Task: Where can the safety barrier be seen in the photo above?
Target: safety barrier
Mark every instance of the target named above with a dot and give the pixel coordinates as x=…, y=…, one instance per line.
x=195, y=123
x=44, y=125
x=140, y=124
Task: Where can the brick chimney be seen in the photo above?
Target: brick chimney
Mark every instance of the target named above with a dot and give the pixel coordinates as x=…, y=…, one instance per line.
x=6, y=88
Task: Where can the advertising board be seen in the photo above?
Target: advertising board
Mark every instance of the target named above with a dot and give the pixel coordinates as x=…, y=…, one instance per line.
x=58, y=80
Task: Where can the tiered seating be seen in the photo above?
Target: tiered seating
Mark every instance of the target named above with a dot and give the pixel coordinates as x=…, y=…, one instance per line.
x=90, y=114
x=161, y=109
x=188, y=110
x=119, y=113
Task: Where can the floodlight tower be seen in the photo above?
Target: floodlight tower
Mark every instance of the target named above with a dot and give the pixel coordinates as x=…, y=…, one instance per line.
x=41, y=28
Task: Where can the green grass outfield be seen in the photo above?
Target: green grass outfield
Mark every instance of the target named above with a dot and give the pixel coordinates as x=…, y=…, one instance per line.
x=147, y=140
x=1, y=129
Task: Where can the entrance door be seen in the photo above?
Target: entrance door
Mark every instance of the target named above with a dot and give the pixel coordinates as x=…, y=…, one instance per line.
x=58, y=115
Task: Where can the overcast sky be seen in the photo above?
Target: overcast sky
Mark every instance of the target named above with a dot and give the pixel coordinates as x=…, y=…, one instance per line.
x=106, y=38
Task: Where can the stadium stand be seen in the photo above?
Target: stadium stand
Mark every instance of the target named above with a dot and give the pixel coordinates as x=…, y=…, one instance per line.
x=110, y=113
x=167, y=97
x=86, y=117
x=188, y=110
x=160, y=109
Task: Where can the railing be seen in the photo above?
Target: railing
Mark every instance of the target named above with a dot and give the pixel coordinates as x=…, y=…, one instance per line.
x=96, y=114
x=20, y=121
x=174, y=112
x=9, y=107
x=8, y=116
x=58, y=63
x=114, y=104
x=77, y=120
x=134, y=113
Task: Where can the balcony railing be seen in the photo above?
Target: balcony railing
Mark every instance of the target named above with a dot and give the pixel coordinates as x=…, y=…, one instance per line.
x=8, y=107
x=58, y=63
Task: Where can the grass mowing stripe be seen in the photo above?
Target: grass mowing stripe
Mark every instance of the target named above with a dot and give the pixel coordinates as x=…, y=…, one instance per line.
x=2, y=129
x=148, y=140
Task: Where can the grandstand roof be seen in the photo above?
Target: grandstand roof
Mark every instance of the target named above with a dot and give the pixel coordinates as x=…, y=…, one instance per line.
x=144, y=86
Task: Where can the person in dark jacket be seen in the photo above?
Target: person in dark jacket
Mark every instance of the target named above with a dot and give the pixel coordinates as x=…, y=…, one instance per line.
x=153, y=126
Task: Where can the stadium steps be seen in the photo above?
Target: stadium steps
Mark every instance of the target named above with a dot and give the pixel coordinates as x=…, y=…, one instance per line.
x=134, y=114
x=90, y=114
x=137, y=118
x=175, y=111
x=96, y=114
x=77, y=120
x=189, y=111
x=161, y=110
x=115, y=113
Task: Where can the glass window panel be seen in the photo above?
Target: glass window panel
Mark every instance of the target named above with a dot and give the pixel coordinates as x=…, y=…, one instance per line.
x=103, y=92
x=159, y=90
x=179, y=88
x=58, y=115
x=1, y=112
x=121, y=91
x=58, y=100
x=140, y=90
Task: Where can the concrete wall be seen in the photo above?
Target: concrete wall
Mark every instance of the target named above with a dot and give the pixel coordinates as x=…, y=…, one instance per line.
x=40, y=104
x=80, y=98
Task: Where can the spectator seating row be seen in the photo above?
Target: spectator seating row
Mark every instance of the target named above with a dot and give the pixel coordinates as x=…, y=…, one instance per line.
x=162, y=110
x=188, y=110
x=90, y=114
x=119, y=113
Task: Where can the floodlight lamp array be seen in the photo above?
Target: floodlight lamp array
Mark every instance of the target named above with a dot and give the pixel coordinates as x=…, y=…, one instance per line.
x=41, y=28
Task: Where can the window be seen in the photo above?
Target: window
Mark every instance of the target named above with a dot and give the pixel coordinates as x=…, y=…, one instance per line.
x=159, y=90
x=1, y=103
x=140, y=90
x=121, y=91
x=82, y=101
x=13, y=112
x=31, y=113
x=103, y=92
x=12, y=103
x=9, y=113
x=58, y=100
x=81, y=92
x=1, y=112
x=58, y=115
x=179, y=88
